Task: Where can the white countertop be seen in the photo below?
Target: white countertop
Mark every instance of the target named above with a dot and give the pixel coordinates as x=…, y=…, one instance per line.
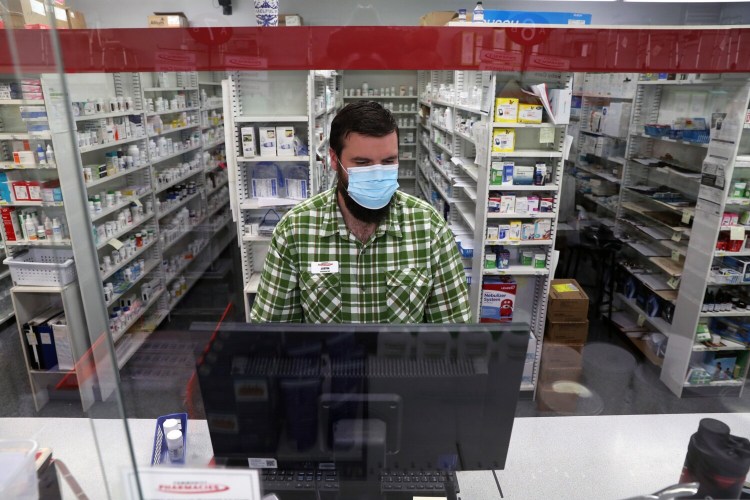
x=603, y=457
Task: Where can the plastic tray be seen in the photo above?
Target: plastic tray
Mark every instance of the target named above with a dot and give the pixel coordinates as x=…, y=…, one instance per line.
x=697, y=136
x=160, y=454
x=42, y=267
x=655, y=130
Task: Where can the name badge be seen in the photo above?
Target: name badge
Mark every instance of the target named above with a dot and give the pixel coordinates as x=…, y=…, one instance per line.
x=324, y=267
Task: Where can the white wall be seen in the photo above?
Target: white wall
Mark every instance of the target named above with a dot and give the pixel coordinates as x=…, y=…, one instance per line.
x=133, y=13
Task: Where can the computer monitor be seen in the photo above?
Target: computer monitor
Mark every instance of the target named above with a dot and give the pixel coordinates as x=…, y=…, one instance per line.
x=363, y=399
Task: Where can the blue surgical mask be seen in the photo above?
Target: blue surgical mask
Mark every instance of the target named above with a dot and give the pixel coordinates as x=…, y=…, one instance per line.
x=372, y=186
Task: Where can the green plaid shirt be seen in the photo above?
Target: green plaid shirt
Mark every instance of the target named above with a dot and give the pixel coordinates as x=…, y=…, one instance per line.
x=409, y=271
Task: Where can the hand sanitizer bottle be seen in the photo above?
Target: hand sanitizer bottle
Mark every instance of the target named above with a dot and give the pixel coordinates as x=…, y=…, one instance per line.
x=478, y=16
x=50, y=154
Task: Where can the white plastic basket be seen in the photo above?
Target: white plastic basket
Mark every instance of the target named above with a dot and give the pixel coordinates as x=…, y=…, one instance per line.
x=42, y=267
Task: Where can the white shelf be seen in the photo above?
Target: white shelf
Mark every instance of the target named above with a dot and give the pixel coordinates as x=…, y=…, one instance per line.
x=212, y=145
x=254, y=238
x=179, y=205
x=173, y=130
x=65, y=243
x=522, y=243
x=109, y=178
x=384, y=97
x=673, y=141
x=118, y=335
x=466, y=210
x=114, y=114
x=185, y=177
x=443, y=128
x=253, y=283
x=171, y=277
x=123, y=231
x=741, y=253
x=36, y=289
x=271, y=119
x=21, y=102
x=219, y=186
x=730, y=345
x=150, y=266
x=124, y=203
x=525, y=125
x=256, y=159
x=255, y=204
x=470, y=109
x=218, y=84
x=734, y=313
x=595, y=200
x=160, y=159
x=9, y=165
x=655, y=322
x=212, y=107
x=444, y=149
x=467, y=165
x=21, y=136
x=31, y=204
x=546, y=187
x=717, y=383
x=171, y=111
x=603, y=175
x=440, y=170
x=464, y=136
x=89, y=149
x=127, y=261
x=530, y=153
x=516, y=270
x=599, y=134
x=168, y=89
x=442, y=103
x=530, y=215
x=425, y=103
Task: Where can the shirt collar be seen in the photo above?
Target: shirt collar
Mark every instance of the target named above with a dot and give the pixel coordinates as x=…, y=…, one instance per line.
x=333, y=220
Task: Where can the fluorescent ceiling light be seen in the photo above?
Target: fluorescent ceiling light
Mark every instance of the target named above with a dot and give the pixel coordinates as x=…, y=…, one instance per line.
x=687, y=1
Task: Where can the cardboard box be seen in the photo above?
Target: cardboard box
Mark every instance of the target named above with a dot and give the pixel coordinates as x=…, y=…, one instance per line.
x=506, y=110
x=285, y=141
x=616, y=118
x=498, y=300
x=562, y=355
x=530, y=113
x=290, y=20
x=12, y=21
x=550, y=397
x=76, y=20
x=267, y=141
x=567, y=333
x=11, y=225
x=503, y=140
x=567, y=302
x=34, y=13
x=248, y=141
x=168, y=20
x=438, y=18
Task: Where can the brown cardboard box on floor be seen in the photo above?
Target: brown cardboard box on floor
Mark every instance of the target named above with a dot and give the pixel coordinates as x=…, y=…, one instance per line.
x=567, y=302
x=168, y=20
x=566, y=333
x=562, y=355
x=549, y=399
x=438, y=18
x=76, y=20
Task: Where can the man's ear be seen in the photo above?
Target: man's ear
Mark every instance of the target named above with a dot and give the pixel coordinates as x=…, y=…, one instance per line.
x=334, y=159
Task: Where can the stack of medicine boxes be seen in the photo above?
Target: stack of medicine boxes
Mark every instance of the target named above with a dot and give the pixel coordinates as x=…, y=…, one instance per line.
x=565, y=334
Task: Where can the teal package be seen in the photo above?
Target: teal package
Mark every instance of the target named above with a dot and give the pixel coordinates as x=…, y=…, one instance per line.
x=5, y=188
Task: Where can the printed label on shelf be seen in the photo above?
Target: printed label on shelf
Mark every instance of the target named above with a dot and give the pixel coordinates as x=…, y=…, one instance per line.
x=677, y=236
x=641, y=320
x=675, y=256
x=686, y=216
x=674, y=282
x=737, y=233
x=546, y=135
x=115, y=243
x=137, y=202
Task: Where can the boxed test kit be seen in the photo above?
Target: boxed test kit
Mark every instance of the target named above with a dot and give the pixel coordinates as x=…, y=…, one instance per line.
x=267, y=141
x=248, y=141
x=285, y=141
x=498, y=299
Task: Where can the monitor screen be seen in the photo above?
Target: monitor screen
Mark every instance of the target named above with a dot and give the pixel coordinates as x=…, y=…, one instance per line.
x=363, y=398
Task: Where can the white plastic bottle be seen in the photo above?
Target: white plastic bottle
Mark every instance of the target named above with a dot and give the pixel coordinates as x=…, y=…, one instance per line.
x=478, y=16
x=41, y=156
x=56, y=230
x=50, y=154
x=30, y=228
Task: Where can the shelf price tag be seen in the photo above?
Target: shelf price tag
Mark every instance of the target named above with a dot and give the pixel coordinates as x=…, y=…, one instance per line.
x=677, y=236
x=546, y=135
x=686, y=216
x=115, y=243
x=675, y=256
x=674, y=282
x=137, y=202
x=641, y=320
x=737, y=233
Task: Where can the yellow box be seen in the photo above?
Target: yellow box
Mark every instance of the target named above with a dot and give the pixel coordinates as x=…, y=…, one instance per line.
x=530, y=113
x=503, y=140
x=515, y=230
x=506, y=110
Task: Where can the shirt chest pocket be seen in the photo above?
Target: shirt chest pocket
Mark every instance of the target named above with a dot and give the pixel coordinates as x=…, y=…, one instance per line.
x=407, y=291
x=320, y=295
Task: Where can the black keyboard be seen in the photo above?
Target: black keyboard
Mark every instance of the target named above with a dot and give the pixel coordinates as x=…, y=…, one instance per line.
x=425, y=483
x=393, y=484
